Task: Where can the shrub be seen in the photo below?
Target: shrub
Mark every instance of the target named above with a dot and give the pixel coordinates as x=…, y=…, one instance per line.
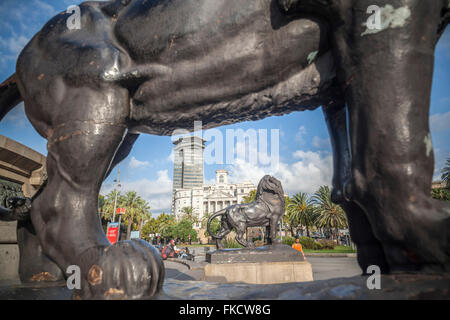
x=327, y=244
x=317, y=246
x=307, y=243
x=288, y=241
x=231, y=243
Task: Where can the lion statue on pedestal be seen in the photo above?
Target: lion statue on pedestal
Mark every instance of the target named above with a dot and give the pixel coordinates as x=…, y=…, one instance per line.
x=265, y=211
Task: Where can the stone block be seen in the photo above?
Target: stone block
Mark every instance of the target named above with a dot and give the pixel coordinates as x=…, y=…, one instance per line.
x=8, y=232
x=268, y=253
x=260, y=272
x=9, y=262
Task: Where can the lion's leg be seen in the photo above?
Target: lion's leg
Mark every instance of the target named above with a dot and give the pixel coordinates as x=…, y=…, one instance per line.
x=34, y=264
x=224, y=231
x=240, y=236
x=273, y=227
x=80, y=150
x=387, y=78
x=370, y=251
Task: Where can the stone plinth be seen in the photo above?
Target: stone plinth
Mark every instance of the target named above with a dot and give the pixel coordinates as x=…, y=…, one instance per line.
x=9, y=251
x=260, y=272
x=263, y=265
x=272, y=253
x=21, y=169
x=9, y=262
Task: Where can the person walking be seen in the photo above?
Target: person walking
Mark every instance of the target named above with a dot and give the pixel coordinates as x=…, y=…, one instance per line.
x=298, y=246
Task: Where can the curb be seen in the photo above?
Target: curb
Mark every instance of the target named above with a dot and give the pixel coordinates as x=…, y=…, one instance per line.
x=317, y=254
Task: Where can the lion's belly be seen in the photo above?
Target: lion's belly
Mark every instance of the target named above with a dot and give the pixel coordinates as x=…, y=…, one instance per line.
x=199, y=58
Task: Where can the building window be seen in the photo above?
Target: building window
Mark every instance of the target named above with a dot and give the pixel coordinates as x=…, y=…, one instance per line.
x=221, y=179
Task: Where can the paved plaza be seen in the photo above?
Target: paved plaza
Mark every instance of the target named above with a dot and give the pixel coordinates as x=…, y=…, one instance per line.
x=323, y=268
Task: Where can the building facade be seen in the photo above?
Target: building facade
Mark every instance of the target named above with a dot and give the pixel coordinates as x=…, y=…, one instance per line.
x=188, y=164
x=208, y=199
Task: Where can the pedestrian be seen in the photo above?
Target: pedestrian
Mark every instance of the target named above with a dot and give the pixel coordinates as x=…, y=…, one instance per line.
x=298, y=246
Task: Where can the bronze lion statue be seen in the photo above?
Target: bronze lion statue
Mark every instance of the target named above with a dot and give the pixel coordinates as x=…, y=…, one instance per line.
x=265, y=211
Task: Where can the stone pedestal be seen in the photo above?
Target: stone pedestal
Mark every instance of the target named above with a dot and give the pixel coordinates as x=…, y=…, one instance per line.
x=9, y=252
x=263, y=265
x=260, y=273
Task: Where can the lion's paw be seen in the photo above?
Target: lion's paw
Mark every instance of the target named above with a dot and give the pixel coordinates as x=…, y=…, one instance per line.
x=126, y=270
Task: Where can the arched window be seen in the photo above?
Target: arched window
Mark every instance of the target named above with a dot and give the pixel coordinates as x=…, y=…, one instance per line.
x=221, y=179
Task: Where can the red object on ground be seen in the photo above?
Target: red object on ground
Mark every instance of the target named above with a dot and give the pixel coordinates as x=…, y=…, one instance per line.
x=112, y=232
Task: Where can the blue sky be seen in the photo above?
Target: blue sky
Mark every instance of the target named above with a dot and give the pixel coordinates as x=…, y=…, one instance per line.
x=305, y=152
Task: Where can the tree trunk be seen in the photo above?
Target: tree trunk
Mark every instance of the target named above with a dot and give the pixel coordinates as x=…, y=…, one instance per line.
x=307, y=231
x=338, y=238
x=130, y=222
x=140, y=226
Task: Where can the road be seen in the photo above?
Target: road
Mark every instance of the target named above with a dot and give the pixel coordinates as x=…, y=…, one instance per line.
x=334, y=267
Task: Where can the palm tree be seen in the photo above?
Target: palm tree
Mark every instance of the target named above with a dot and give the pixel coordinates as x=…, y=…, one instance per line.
x=143, y=212
x=164, y=222
x=330, y=215
x=189, y=214
x=130, y=203
x=446, y=173
x=108, y=207
x=302, y=210
x=289, y=218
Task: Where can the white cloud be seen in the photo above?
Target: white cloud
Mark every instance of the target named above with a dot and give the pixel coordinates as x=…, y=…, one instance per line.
x=157, y=192
x=300, y=136
x=321, y=143
x=440, y=122
x=17, y=116
x=135, y=164
x=170, y=158
x=312, y=170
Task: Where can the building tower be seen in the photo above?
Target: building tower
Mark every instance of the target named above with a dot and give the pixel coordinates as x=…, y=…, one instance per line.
x=188, y=163
x=221, y=177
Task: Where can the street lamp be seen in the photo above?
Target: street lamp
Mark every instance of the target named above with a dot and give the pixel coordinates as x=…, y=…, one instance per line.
x=115, y=198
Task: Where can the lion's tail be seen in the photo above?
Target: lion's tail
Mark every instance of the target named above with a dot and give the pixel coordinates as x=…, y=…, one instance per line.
x=214, y=215
x=9, y=96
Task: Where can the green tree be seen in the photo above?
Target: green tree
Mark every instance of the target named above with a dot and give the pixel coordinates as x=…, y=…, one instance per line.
x=108, y=207
x=130, y=203
x=440, y=194
x=289, y=218
x=150, y=227
x=215, y=224
x=250, y=197
x=184, y=228
x=189, y=214
x=101, y=203
x=165, y=225
x=446, y=173
x=142, y=213
x=302, y=210
x=330, y=215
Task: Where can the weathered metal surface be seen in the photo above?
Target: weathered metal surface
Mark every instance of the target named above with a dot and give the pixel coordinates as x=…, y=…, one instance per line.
x=270, y=253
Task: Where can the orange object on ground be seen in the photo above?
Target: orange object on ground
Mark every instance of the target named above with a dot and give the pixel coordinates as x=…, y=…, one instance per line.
x=298, y=247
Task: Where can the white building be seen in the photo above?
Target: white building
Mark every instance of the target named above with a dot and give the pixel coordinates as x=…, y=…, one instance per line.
x=211, y=198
